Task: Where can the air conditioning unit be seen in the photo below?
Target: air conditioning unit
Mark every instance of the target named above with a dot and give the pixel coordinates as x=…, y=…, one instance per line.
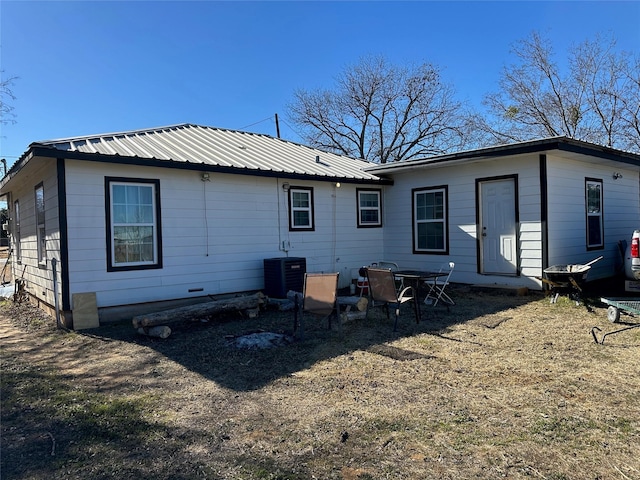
x=283, y=274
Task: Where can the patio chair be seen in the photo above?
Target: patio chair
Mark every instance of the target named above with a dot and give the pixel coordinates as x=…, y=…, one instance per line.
x=393, y=266
x=383, y=291
x=437, y=286
x=319, y=298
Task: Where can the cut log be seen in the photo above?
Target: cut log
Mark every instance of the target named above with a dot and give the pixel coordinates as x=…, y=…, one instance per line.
x=360, y=303
x=199, y=311
x=351, y=316
x=161, y=331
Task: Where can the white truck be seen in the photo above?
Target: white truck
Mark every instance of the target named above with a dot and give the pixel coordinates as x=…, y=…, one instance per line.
x=632, y=263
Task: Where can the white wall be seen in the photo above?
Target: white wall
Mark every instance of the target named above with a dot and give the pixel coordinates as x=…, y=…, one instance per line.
x=567, y=212
x=220, y=248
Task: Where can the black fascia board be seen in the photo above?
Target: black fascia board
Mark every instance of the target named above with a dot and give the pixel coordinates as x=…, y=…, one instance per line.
x=561, y=143
x=44, y=151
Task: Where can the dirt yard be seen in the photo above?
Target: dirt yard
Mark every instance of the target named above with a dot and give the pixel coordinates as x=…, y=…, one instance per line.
x=498, y=386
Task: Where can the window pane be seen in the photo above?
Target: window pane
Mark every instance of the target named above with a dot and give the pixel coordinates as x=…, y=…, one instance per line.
x=369, y=200
x=430, y=206
x=119, y=194
x=40, y=205
x=133, y=244
x=369, y=216
x=301, y=218
x=594, y=231
x=431, y=236
x=593, y=198
x=300, y=199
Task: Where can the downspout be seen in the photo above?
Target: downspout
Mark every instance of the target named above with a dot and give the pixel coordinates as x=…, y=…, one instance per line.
x=54, y=269
x=64, y=237
x=544, y=212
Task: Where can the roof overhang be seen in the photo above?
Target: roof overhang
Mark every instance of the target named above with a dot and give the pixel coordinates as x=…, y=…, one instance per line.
x=562, y=144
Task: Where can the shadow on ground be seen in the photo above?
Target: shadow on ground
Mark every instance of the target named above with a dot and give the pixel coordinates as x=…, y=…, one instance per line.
x=205, y=347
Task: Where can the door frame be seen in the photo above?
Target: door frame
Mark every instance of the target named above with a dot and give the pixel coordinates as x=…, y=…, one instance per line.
x=479, y=182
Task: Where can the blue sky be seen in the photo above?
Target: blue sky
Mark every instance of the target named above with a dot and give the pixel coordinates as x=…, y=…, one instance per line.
x=88, y=67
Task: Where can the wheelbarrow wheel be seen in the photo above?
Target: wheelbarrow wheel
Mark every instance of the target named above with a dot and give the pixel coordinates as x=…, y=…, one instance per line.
x=613, y=314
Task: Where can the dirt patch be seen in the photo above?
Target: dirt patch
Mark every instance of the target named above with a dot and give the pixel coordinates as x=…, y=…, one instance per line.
x=497, y=386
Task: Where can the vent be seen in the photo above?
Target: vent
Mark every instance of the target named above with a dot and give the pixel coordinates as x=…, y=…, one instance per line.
x=283, y=274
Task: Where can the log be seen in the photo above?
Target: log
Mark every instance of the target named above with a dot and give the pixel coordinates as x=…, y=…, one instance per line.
x=359, y=303
x=350, y=316
x=161, y=331
x=199, y=311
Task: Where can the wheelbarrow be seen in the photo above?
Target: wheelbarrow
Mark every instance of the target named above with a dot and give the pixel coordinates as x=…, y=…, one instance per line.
x=567, y=279
x=628, y=306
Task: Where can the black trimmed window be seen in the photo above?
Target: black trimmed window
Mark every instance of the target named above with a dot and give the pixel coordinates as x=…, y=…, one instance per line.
x=41, y=231
x=133, y=224
x=430, y=220
x=369, y=208
x=595, y=221
x=301, y=209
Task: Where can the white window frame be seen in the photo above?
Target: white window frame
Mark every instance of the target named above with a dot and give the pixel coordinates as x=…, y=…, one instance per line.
x=362, y=209
x=151, y=222
x=442, y=219
x=594, y=214
x=294, y=224
x=41, y=229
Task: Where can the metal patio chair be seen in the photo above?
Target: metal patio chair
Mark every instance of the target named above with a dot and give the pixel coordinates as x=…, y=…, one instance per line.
x=319, y=298
x=437, y=287
x=383, y=291
x=393, y=266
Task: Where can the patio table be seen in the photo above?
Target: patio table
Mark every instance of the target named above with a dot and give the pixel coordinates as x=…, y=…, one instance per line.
x=416, y=278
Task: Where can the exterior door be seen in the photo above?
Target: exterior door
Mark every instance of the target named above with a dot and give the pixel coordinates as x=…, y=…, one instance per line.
x=498, y=233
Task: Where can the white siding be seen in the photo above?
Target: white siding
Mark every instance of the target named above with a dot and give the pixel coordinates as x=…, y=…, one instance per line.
x=39, y=278
x=567, y=212
x=218, y=248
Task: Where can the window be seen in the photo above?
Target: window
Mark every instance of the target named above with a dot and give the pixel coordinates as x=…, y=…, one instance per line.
x=301, y=208
x=595, y=224
x=41, y=236
x=369, y=208
x=133, y=224
x=16, y=231
x=430, y=220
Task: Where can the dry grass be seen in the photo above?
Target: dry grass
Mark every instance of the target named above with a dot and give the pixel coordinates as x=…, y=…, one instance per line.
x=499, y=386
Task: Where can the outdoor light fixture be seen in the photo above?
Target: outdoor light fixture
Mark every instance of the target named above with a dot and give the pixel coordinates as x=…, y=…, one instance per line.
x=205, y=177
x=337, y=184
x=285, y=187
x=617, y=175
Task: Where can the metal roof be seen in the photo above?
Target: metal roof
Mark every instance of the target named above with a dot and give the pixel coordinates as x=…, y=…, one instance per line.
x=217, y=148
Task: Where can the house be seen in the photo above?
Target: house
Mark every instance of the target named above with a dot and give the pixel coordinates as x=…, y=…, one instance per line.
x=179, y=213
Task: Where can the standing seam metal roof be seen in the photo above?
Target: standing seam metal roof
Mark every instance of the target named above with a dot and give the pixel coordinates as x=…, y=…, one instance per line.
x=217, y=147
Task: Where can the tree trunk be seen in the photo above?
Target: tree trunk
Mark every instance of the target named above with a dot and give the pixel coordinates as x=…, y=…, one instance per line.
x=199, y=311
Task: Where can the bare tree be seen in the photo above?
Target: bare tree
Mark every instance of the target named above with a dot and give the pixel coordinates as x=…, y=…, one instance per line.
x=595, y=100
x=381, y=112
x=6, y=95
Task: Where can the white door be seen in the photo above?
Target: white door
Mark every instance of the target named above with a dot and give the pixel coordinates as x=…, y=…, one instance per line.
x=498, y=240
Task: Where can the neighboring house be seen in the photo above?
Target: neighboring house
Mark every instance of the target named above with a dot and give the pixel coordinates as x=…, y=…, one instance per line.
x=183, y=212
